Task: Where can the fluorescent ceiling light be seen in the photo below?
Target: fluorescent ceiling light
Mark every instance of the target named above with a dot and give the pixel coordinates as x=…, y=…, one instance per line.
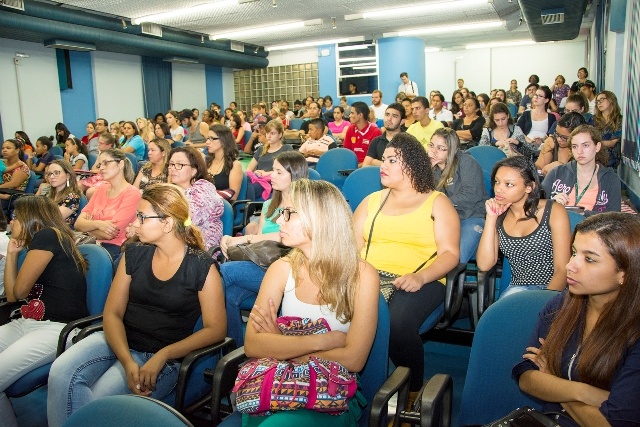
x=447, y=6
x=260, y=30
x=364, y=67
x=432, y=49
x=499, y=44
x=307, y=44
x=447, y=29
x=206, y=7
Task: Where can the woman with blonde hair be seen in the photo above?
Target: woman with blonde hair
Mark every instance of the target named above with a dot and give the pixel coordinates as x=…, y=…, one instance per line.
x=116, y=131
x=164, y=283
x=608, y=120
x=322, y=277
x=143, y=129
x=155, y=170
x=64, y=189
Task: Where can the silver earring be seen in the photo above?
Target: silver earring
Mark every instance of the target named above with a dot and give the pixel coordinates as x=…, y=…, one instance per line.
x=67, y=182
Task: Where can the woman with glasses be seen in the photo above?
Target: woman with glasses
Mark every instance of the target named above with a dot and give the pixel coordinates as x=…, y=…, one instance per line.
x=242, y=279
x=535, y=123
x=502, y=133
x=64, y=189
x=608, y=120
x=112, y=206
x=459, y=176
x=188, y=171
x=585, y=181
x=556, y=150
x=131, y=142
x=163, y=285
x=222, y=162
x=410, y=230
x=155, y=170
x=51, y=284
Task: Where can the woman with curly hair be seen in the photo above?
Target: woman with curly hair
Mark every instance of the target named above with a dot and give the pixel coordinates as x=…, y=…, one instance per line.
x=412, y=231
x=608, y=120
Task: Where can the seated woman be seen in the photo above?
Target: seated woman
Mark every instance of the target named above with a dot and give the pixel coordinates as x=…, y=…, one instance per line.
x=112, y=206
x=608, y=120
x=408, y=111
x=469, y=127
x=161, y=288
x=52, y=282
x=155, y=170
x=535, y=123
x=177, y=132
x=42, y=157
x=16, y=174
x=585, y=181
x=62, y=134
x=91, y=133
x=502, y=133
x=163, y=131
x=90, y=184
x=338, y=126
x=242, y=278
x=457, y=101
x=75, y=152
x=322, y=277
x=235, y=124
x=583, y=356
x=560, y=90
x=64, y=189
x=410, y=230
x=556, y=150
x=222, y=162
x=459, y=177
x=188, y=171
x=533, y=234
x=131, y=142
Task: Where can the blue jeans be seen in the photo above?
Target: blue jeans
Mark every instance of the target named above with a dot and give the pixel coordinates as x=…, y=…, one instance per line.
x=470, y=233
x=90, y=370
x=511, y=289
x=241, y=280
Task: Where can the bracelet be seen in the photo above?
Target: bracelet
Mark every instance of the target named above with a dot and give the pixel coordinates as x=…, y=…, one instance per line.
x=249, y=238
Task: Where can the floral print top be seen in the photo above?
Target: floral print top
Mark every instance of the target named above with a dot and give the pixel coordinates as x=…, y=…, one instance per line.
x=206, y=208
x=71, y=201
x=6, y=177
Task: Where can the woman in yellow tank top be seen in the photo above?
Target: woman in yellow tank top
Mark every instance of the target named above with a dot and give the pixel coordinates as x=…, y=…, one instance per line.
x=411, y=230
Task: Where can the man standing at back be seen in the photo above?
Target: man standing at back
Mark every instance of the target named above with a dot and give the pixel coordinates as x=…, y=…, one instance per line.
x=424, y=127
x=361, y=132
x=378, y=107
x=410, y=88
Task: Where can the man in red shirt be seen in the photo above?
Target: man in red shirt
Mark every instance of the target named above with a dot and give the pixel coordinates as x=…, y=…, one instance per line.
x=361, y=132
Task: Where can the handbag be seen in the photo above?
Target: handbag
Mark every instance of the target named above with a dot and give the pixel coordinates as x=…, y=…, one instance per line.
x=263, y=253
x=83, y=238
x=524, y=417
x=267, y=385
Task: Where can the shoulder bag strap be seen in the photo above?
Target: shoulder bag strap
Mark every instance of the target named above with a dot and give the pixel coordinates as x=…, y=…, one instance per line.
x=373, y=223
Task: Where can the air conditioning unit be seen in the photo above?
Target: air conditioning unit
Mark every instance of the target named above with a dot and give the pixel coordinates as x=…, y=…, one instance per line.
x=13, y=4
x=151, y=29
x=237, y=46
x=552, y=16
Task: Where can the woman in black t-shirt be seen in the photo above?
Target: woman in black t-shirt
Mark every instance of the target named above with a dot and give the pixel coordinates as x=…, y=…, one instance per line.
x=161, y=288
x=52, y=283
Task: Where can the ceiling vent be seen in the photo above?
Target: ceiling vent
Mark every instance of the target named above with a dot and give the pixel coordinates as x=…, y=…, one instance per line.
x=13, y=4
x=552, y=16
x=69, y=45
x=151, y=29
x=238, y=47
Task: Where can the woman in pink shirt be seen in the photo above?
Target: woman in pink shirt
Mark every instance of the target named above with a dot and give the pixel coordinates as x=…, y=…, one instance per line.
x=112, y=206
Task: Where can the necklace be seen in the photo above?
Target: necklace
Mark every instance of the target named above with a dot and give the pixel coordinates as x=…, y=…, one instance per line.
x=216, y=167
x=578, y=198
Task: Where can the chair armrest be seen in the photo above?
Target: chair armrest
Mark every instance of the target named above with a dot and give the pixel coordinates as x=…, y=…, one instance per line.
x=64, y=334
x=245, y=217
x=436, y=400
x=487, y=281
x=6, y=308
x=239, y=202
x=85, y=332
x=224, y=377
x=454, y=293
x=187, y=364
x=398, y=382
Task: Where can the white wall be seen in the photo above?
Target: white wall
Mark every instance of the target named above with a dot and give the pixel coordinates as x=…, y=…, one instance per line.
x=117, y=82
x=228, y=94
x=493, y=68
x=613, y=74
x=291, y=57
x=39, y=89
x=188, y=88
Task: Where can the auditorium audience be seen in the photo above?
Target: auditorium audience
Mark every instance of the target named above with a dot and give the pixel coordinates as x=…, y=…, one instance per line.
x=535, y=123
x=502, y=133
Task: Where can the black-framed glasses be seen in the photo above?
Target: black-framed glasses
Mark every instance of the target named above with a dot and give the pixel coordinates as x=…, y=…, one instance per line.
x=104, y=163
x=559, y=137
x=430, y=146
x=142, y=217
x=178, y=166
x=54, y=173
x=212, y=138
x=286, y=213
x=600, y=100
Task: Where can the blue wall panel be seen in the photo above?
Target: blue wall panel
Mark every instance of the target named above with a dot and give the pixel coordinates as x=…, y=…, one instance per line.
x=213, y=82
x=397, y=55
x=78, y=103
x=327, y=73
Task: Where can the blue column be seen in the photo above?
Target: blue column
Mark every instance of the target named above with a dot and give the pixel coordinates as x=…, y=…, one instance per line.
x=327, y=72
x=213, y=82
x=78, y=103
x=397, y=55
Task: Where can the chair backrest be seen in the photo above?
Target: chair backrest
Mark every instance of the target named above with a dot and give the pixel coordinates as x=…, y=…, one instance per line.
x=295, y=124
x=314, y=175
x=513, y=109
x=227, y=219
x=238, y=208
x=336, y=160
x=380, y=123
x=126, y=411
x=99, y=276
x=574, y=219
x=487, y=156
x=360, y=183
x=498, y=345
x=31, y=183
x=56, y=151
x=376, y=369
x=145, y=156
x=247, y=136
x=92, y=158
x=134, y=161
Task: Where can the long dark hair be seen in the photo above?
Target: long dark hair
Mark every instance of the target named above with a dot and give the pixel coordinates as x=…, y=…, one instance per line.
x=60, y=139
x=617, y=328
x=228, y=144
x=294, y=163
x=529, y=173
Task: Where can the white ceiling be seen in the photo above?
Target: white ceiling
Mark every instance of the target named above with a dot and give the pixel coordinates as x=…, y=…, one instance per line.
x=229, y=16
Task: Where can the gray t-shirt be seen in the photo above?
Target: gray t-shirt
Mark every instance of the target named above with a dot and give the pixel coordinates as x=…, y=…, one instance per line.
x=265, y=162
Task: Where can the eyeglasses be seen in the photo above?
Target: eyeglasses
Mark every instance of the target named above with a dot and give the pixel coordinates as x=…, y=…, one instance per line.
x=212, y=138
x=178, y=166
x=286, y=213
x=430, y=146
x=104, y=163
x=600, y=100
x=54, y=173
x=559, y=137
x=142, y=217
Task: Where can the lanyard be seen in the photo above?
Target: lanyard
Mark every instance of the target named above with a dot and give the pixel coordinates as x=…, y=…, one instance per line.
x=578, y=198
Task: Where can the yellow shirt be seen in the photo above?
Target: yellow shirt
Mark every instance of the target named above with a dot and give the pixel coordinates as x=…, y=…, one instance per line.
x=400, y=243
x=424, y=134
